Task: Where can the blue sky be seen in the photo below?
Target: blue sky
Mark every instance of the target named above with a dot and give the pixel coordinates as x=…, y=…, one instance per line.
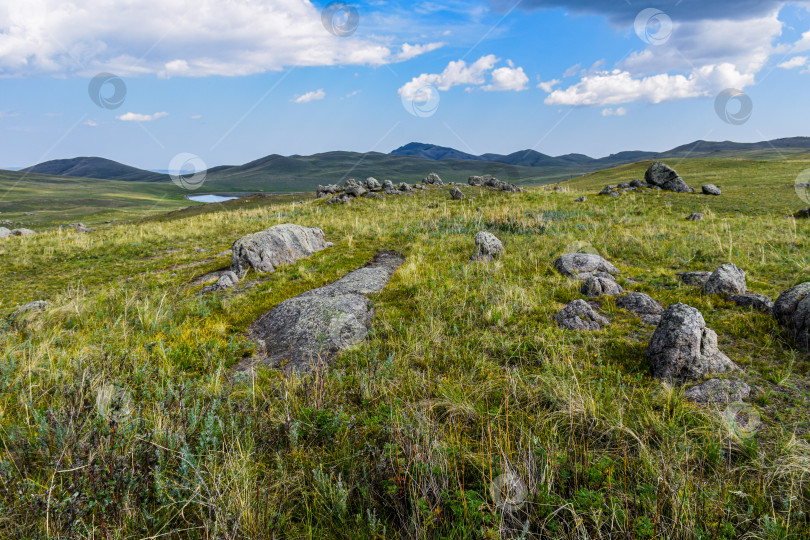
x=235, y=81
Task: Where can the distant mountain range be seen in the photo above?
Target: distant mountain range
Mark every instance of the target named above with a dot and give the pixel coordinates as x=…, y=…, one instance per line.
x=410, y=163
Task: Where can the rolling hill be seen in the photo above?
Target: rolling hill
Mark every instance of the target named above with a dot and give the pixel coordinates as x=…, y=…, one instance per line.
x=95, y=167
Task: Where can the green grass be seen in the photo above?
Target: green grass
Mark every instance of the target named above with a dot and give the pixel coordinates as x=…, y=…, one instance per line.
x=119, y=417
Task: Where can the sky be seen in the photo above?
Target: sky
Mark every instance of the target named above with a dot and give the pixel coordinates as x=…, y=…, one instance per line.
x=230, y=81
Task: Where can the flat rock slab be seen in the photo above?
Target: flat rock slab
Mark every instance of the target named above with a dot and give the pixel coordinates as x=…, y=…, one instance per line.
x=314, y=326
x=278, y=245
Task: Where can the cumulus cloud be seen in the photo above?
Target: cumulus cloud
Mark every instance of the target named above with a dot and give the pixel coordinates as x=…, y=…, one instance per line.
x=310, y=96
x=179, y=38
x=135, y=117
x=458, y=73
x=548, y=86
x=795, y=62
x=619, y=111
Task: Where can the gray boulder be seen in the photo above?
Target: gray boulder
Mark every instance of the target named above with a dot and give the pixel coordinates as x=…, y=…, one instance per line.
x=711, y=189
x=372, y=184
x=682, y=348
x=226, y=281
x=432, y=180
x=695, y=278
x=487, y=247
x=643, y=305
x=373, y=195
x=758, y=302
x=792, y=310
x=697, y=216
x=490, y=181
x=583, y=265
x=325, y=191
x=665, y=177
x=313, y=327
x=22, y=232
x=355, y=190
x=579, y=315
x=278, y=245
x=608, y=190
x=718, y=391
x=580, y=199
x=728, y=279
x=456, y=194
x=404, y=187
x=342, y=198
x=595, y=286
x=637, y=183
x=4, y=232
x=388, y=185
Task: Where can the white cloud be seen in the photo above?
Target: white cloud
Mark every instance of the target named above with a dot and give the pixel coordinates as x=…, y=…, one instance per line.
x=91, y=123
x=573, y=70
x=458, y=73
x=310, y=96
x=508, y=79
x=619, y=111
x=195, y=116
x=179, y=38
x=795, y=62
x=136, y=117
x=548, y=86
x=617, y=86
x=803, y=44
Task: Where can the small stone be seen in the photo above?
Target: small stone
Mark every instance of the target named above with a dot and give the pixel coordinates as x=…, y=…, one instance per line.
x=596, y=286
x=711, y=189
x=580, y=199
x=728, y=279
x=487, y=247
x=456, y=194
x=579, y=315
x=697, y=216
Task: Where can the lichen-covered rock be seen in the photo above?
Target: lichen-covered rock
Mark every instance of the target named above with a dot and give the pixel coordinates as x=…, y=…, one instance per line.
x=682, y=348
x=694, y=278
x=718, y=391
x=325, y=191
x=579, y=315
x=280, y=244
x=665, y=177
x=758, y=302
x=314, y=326
x=583, y=265
x=388, y=185
x=4, y=232
x=342, y=198
x=490, y=181
x=355, y=190
x=711, y=189
x=728, y=279
x=595, y=286
x=580, y=199
x=226, y=280
x=697, y=216
x=456, y=194
x=22, y=232
x=372, y=184
x=643, y=305
x=432, y=180
x=487, y=247
x=792, y=310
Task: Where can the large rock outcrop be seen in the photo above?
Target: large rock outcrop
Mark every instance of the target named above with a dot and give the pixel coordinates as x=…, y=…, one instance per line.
x=792, y=310
x=278, y=245
x=662, y=175
x=314, y=326
x=682, y=348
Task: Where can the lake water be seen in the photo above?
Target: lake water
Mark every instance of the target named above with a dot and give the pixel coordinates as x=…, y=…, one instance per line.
x=210, y=198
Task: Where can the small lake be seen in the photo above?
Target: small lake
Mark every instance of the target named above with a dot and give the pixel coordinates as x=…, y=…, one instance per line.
x=209, y=198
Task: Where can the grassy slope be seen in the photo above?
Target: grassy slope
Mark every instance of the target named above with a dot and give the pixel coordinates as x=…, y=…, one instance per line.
x=464, y=376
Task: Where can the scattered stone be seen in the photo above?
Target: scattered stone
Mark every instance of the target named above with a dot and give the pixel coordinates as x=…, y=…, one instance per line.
x=372, y=184
x=388, y=185
x=456, y=194
x=313, y=327
x=608, y=190
x=728, y=279
x=697, y=279
x=759, y=302
x=490, y=181
x=665, y=177
x=583, y=265
x=643, y=305
x=30, y=307
x=432, y=180
x=340, y=199
x=487, y=247
x=637, y=183
x=226, y=281
x=624, y=185
x=372, y=195
x=711, y=189
x=580, y=199
x=325, y=191
x=579, y=315
x=78, y=227
x=615, y=194
x=22, y=232
x=280, y=244
x=792, y=310
x=355, y=190
x=683, y=348
x=4, y=232
x=596, y=286
x=405, y=187
x=718, y=391
x=697, y=216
